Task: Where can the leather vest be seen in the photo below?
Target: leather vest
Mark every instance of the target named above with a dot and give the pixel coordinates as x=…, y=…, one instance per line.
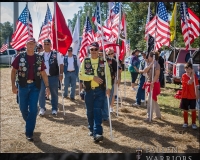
x=22, y=72
x=53, y=64
x=90, y=71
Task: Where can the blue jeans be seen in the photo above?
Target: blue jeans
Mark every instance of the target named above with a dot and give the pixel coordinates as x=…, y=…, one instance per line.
x=94, y=101
x=105, y=110
x=140, y=92
x=28, y=99
x=53, y=87
x=70, y=79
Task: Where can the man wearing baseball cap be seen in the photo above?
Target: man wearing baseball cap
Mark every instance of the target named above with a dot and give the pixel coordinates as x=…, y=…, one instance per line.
x=92, y=72
x=29, y=68
x=71, y=73
x=54, y=70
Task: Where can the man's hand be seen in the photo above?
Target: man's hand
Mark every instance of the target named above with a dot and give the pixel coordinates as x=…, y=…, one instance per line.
x=98, y=80
x=47, y=91
x=108, y=92
x=14, y=89
x=61, y=78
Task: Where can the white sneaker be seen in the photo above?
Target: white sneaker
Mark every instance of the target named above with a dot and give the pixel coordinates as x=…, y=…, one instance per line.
x=142, y=100
x=185, y=125
x=194, y=126
x=135, y=105
x=111, y=110
x=42, y=112
x=54, y=112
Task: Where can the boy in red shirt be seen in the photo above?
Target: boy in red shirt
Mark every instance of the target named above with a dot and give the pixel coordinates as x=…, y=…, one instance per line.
x=188, y=94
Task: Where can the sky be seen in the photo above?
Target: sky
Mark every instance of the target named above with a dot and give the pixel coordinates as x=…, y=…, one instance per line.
x=38, y=11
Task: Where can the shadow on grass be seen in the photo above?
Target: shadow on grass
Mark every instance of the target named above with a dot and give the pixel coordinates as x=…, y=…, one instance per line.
x=171, y=110
x=46, y=148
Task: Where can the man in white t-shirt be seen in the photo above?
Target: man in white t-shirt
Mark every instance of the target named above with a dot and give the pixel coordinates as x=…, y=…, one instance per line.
x=54, y=70
x=71, y=73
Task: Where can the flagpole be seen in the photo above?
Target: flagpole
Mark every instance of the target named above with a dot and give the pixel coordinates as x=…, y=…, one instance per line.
x=117, y=58
x=195, y=89
x=147, y=49
x=174, y=34
x=58, y=52
x=151, y=89
x=104, y=57
x=28, y=20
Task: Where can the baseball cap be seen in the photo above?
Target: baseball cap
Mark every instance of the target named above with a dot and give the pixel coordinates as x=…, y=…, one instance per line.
x=70, y=49
x=39, y=46
x=94, y=44
x=31, y=39
x=101, y=51
x=47, y=40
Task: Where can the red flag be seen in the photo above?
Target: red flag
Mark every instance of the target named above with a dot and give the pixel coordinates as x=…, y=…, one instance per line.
x=123, y=51
x=64, y=36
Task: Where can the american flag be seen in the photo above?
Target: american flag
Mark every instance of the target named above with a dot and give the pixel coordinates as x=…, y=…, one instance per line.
x=4, y=46
x=107, y=22
x=87, y=39
x=189, y=24
x=128, y=46
x=24, y=30
x=46, y=27
x=159, y=27
x=114, y=19
x=102, y=33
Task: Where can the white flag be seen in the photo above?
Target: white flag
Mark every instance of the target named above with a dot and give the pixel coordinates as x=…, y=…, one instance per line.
x=75, y=43
x=70, y=27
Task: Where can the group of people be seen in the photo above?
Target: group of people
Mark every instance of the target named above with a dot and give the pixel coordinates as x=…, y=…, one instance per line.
x=149, y=81
x=40, y=73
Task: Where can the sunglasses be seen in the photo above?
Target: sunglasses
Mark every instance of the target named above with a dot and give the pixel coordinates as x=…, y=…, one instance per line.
x=110, y=54
x=46, y=44
x=94, y=49
x=39, y=48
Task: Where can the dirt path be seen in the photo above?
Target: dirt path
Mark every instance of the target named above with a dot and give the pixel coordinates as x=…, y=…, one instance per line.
x=69, y=133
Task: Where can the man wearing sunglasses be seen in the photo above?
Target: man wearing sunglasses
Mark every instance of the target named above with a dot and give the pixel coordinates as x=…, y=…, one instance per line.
x=71, y=73
x=92, y=72
x=54, y=70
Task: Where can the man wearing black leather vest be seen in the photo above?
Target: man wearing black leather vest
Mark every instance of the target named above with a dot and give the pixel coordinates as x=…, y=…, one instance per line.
x=54, y=71
x=92, y=72
x=30, y=68
x=71, y=73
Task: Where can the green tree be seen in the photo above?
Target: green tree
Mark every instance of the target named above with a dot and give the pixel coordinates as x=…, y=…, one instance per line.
x=6, y=31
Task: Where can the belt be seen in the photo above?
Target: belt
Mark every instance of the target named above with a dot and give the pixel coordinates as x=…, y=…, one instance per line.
x=94, y=87
x=30, y=81
x=71, y=71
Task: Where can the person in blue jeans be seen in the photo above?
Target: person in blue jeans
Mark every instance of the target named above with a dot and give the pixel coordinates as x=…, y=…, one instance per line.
x=134, y=67
x=140, y=96
x=54, y=69
x=29, y=68
x=94, y=71
x=71, y=73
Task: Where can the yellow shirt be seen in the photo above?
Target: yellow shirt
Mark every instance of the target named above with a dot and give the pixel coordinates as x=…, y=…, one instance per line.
x=85, y=77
